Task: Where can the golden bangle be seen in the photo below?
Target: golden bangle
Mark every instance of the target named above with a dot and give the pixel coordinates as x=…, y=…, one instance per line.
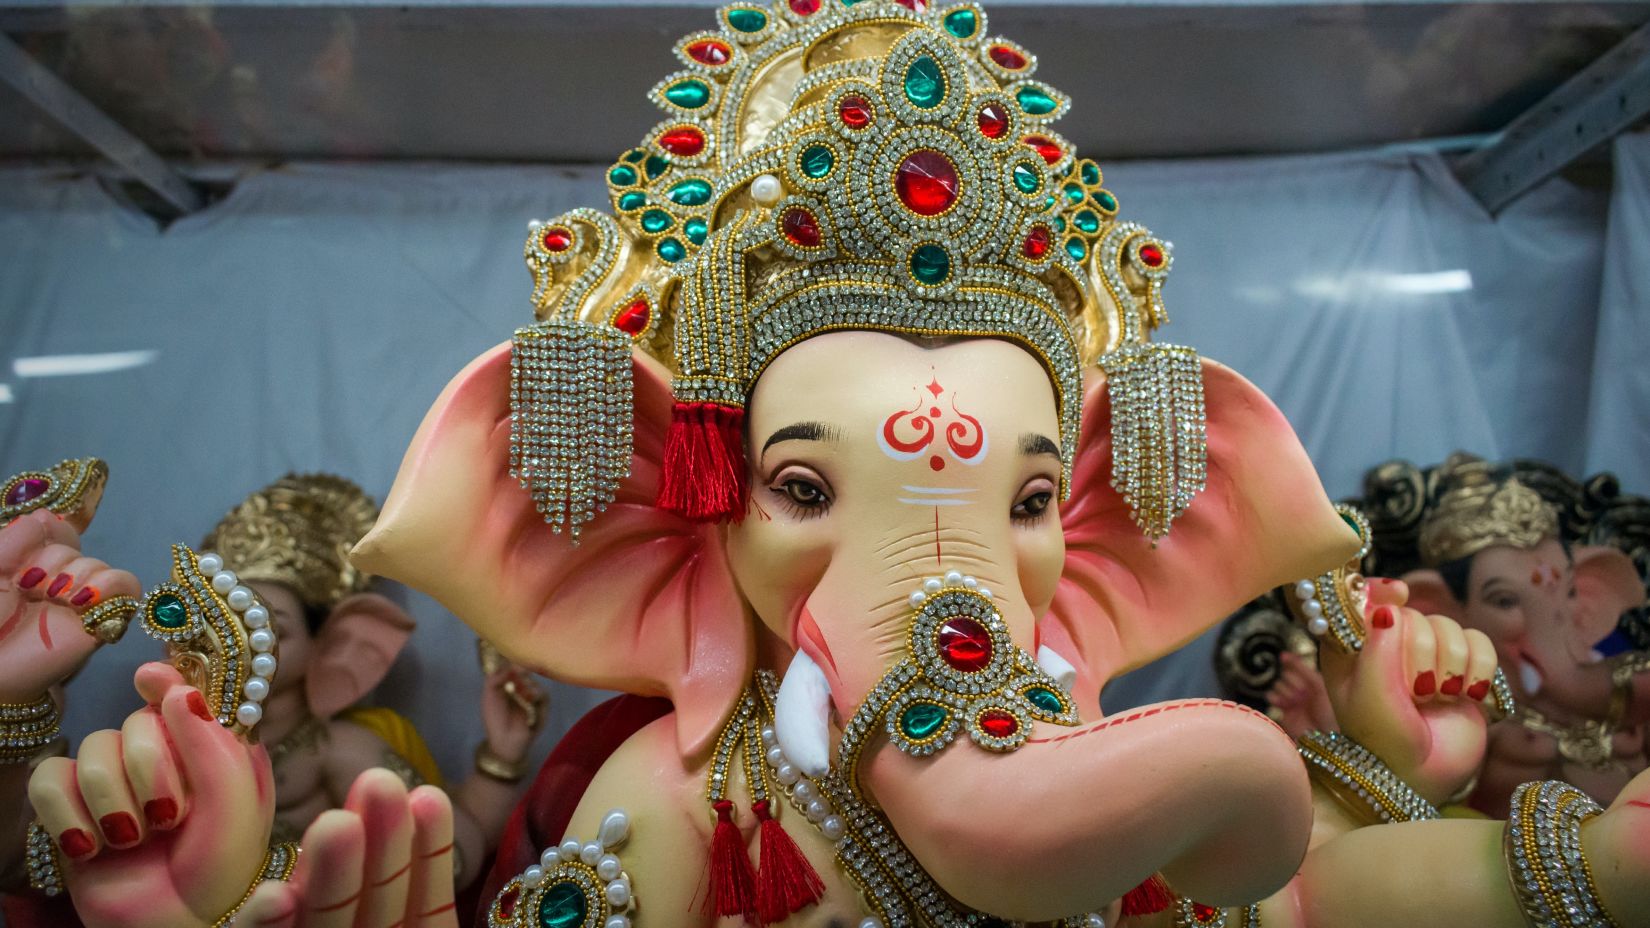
x=1361, y=781
x=26, y=728
x=107, y=620
x=1549, y=872
x=489, y=764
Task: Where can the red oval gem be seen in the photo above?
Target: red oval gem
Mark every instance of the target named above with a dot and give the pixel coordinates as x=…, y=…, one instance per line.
x=633, y=319
x=804, y=7
x=801, y=227
x=1204, y=913
x=28, y=488
x=993, y=120
x=926, y=182
x=710, y=51
x=915, y=6
x=507, y=902
x=999, y=724
x=1007, y=58
x=1151, y=255
x=557, y=239
x=1037, y=243
x=1047, y=147
x=686, y=141
x=855, y=112
x=965, y=644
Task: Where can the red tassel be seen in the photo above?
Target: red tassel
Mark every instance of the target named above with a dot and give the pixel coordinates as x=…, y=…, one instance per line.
x=732, y=886
x=704, y=475
x=785, y=882
x=1148, y=898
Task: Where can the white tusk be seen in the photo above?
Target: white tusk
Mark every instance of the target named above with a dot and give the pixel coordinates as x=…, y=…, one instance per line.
x=1056, y=666
x=801, y=716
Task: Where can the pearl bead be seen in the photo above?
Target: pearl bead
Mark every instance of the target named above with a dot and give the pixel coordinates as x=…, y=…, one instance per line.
x=550, y=857
x=817, y=810
x=776, y=756
x=532, y=876
x=614, y=829
x=249, y=714
x=210, y=564
x=984, y=591
x=786, y=774
x=570, y=849
x=618, y=893
x=804, y=792
x=1305, y=589
x=870, y=922
x=769, y=736
x=1312, y=608
x=1318, y=626
x=256, y=617
x=766, y=189
x=256, y=689
x=917, y=599
x=932, y=585
x=832, y=827
x=261, y=639
x=969, y=583
x=590, y=853
x=953, y=577
x=1093, y=920
x=264, y=665
x=240, y=599
x=224, y=580
x=608, y=867
x=616, y=921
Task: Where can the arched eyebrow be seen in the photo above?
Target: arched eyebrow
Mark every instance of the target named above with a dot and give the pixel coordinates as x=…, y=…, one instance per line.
x=1032, y=444
x=802, y=431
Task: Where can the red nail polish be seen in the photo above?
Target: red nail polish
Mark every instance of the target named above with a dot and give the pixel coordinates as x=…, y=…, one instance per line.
x=83, y=597
x=161, y=812
x=1479, y=690
x=197, y=704
x=31, y=578
x=1382, y=617
x=76, y=843
x=1425, y=684
x=59, y=584
x=120, y=828
x=1452, y=686
x=1535, y=577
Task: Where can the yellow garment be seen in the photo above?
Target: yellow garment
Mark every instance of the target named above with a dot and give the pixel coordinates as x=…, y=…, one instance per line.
x=1461, y=812
x=396, y=731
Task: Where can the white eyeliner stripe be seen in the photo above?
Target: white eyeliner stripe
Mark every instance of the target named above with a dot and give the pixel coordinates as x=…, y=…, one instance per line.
x=938, y=490
x=937, y=502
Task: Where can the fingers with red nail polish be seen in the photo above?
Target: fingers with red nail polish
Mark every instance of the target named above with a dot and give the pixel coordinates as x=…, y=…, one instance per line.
x=59, y=584
x=31, y=578
x=1479, y=690
x=1382, y=617
x=77, y=843
x=1452, y=685
x=83, y=598
x=1426, y=683
x=100, y=772
x=197, y=706
x=54, y=792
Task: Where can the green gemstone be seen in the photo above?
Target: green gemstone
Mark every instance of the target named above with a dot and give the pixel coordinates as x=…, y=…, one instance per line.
x=962, y=23
x=1034, y=101
x=169, y=611
x=920, y=720
x=634, y=155
x=1106, y=201
x=1076, y=248
x=622, y=176
x=689, y=94
x=1087, y=221
x=817, y=161
x=690, y=192
x=696, y=230
x=744, y=20
x=930, y=265
x=656, y=165
x=672, y=250
x=1048, y=202
x=1059, y=223
x=1044, y=699
x=563, y=906
x=1351, y=523
x=655, y=221
x=1074, y=193
x=635, y=199
x=1027, y=178
x=1091, y=173
x=924, y=84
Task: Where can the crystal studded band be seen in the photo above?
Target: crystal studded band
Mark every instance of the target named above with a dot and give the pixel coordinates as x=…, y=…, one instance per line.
x=1361, y=781
x=1549, y=871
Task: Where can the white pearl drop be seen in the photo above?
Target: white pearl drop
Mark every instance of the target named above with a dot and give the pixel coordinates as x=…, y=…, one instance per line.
x=249, y=714
x=953, y=577
x=776, y=756
x=1305, y=589
x=769, y=736
x=917, y=599
x=1093, y=920
x=550, y=857
x=532, y=876
x=1318, y=626
x=224, y=580
x=970, y=583
x=618, y=893
x=616, y=921
x=932, y=585
x=590, y=853
x=264, y=665
x=832, y=827
x=570, y=848
x=210, y=563
x=1312, y=608
x=766, y=189
x=614, y=829
x=984, y=591
x=608, y=867
x=804, y=792
x=256, y=689
x=256, y=617
x=787, y=774
x=240, y=599
x=870, y=922
x=261, y=639
x=817, y=810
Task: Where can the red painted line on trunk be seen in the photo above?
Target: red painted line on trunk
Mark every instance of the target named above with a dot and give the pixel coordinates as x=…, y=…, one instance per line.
x=11, y=623
x=45, y=633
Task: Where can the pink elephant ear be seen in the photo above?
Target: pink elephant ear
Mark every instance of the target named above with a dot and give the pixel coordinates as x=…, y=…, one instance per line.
x=645, y=602
x=1430, y=595
x=353, y=650
x=1263, y=519
x=1606, y=586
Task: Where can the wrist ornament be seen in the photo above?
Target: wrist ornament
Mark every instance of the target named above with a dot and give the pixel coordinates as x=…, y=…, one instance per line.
x=26, y=728
x=1550, y=875
x=489, y=764
x=278, y=864
x=1360, y=781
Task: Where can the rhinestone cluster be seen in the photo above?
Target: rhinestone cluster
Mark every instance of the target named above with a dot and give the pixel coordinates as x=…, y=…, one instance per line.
x=577, y=884
x=60, y=489
x=1189, y=914
x=1333, y=602
x=40, y=857
x=1550, y=874
x=25, y=728
x=1361, y=780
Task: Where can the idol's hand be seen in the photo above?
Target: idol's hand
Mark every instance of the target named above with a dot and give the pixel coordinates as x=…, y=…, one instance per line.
x=46, y=585
x=1415, y=695
x=512, y=711
x=163, y=824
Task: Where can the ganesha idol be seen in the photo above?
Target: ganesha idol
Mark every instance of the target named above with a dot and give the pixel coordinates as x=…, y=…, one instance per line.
x=841, y=449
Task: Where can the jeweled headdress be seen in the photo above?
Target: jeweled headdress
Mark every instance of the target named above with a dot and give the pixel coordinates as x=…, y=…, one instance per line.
x=1481, y=512
x=827, y=165
x=298, y=532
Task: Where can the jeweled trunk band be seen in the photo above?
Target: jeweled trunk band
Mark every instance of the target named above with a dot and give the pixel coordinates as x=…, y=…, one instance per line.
x=1550, y=876
x=1362, y=782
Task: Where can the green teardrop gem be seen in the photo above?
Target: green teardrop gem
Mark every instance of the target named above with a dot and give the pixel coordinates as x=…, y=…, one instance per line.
x=1351, y=523
x=690, y=192
x=962, y=23
x=622, y=176
x=921, y=720
x=924, y=84
x=563, y=906
x=817, y=161
x=930, y=265
x=1044, y=699
x=1034, y=101
x=656, y=165
x=1091, y=173
x=1076, y=248
x=672, y=250
x=169, y=611
x=1074, y=193
x=744, y=20
x=1027, y=178
x=634, y=155
x=696, y=230
x=655, y=221
x=1087, y=221
x=1106, y=201
x=635, y=199
x=1059, y=223
x=689, y=94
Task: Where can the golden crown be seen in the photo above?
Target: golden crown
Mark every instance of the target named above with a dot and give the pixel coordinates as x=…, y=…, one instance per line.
x=827, y=165
x=1480, y=512
x=298, y=532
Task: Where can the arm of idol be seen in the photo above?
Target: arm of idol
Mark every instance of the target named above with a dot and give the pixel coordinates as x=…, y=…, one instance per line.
x=512, y=713
x=46, y=584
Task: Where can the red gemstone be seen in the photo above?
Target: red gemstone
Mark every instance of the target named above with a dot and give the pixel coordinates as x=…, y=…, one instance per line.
x=965, y=644
x=915, y=6
x=801, y=227
x=855, y=112
x=557, y=238
x=710, y=51
x=507, y=902
x=804, y=7
x=633, y=319
x=999, y=724
x=28, y=488
x=993, y=120
x=1007, y=58
x=926, y=182
x=686, y=141
x=1204, y=913
x=1151, y=255
x=1037, y=243
x=1047, y=147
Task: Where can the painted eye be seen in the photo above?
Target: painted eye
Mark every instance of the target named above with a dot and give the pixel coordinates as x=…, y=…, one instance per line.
x=1033, y=506
x=803, y=493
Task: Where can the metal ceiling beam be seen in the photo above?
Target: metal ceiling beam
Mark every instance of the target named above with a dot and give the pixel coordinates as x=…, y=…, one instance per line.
x=1604, y=99
x=80, y=116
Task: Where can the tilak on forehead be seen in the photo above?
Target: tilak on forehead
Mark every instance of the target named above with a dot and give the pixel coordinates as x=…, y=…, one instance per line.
x=880, y=165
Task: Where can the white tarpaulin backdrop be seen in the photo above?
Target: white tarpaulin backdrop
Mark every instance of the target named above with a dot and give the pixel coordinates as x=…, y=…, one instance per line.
x=307, y=321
